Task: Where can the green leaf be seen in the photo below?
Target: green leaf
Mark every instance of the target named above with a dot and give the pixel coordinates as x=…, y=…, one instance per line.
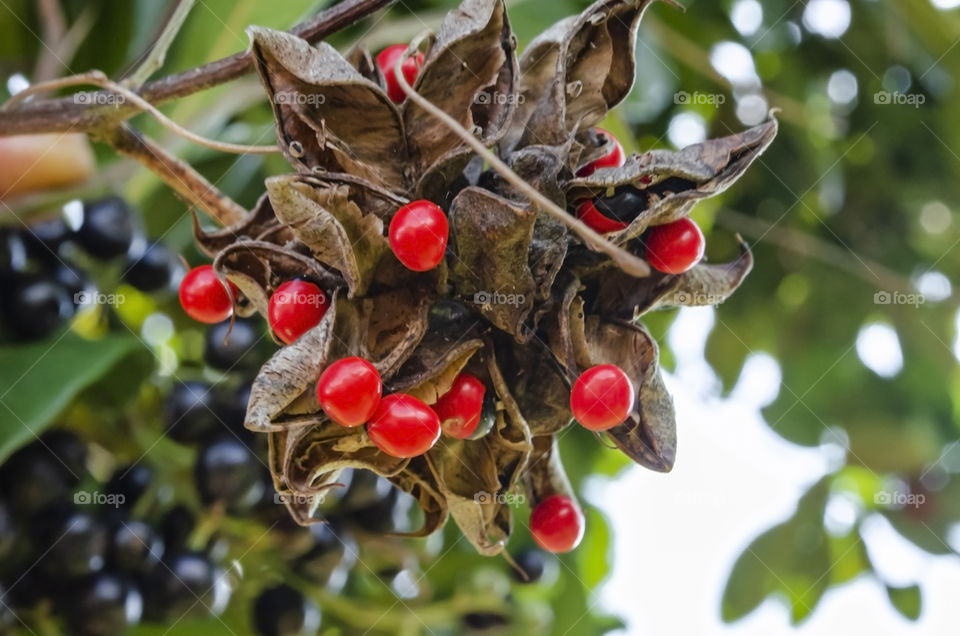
x=595, y=551
x=849, y=557
x=906, y=600
x=38, y=380
x=791, y=559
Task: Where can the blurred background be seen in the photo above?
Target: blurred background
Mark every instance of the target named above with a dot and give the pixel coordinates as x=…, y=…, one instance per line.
x=816, y=487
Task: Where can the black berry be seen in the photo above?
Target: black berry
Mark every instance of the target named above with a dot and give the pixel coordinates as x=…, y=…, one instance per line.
x=151, y=270
x=134, y=546
x=186, y=584
x=107, y=228
x=74, y=281
x=131, y=482
x=232, y=348
x=189, y=412
x=175, y=528
x=624, y=206
x=390, y=514
x=102, y=605
x=73, y=544
x=36, y=305
x=70, y=449
x=44, y=238
x=37, y=476
x=8, y=531
x=13, y=251
x=365, y=488
x=333, y=550
x=533, y=562
x=283, y=611
x=478, y=621
x=227, y=471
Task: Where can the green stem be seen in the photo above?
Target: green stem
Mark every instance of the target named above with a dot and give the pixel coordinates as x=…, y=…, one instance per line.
x=158, y=52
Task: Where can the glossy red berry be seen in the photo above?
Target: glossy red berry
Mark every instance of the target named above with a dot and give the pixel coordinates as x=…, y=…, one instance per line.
x=387, y=59
x=596, y=220
x=675, y=247
x=601, y=397
x=204, y=297
x=296, y=307
x=349, y=391
x=403, y=426
x=557, y=524
x=613, y=159
x=459, y=409
x=418, y=235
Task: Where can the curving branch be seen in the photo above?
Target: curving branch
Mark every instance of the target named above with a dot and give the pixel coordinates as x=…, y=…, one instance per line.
x=90, y=113
x=186, y=181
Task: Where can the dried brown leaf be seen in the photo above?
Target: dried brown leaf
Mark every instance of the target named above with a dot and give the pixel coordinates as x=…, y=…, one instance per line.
x=673, y=182
x=434, y=365
x=329, y=116
x=258, y=267
x=492, y=236
x=649, y=436
x=332, y=225
x=469, y=73
x=622, y=296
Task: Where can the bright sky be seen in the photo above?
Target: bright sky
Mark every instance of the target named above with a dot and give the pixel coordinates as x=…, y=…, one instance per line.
x=677, y=535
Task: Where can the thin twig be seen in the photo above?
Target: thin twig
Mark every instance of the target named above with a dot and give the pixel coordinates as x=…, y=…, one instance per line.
x=54, y=28
x=626, y=261
x=97, y=78
x=180, y=176
x=812, y=246
x=158, y=52
x=62, y=115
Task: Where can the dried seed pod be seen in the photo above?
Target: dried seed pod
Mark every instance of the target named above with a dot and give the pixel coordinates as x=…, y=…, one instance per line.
x=519, y=301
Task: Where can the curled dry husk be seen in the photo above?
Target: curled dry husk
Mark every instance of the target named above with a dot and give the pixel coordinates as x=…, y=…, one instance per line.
x=519, y=301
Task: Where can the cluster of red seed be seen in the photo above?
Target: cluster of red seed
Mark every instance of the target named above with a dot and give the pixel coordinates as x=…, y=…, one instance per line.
x=350, y=390
x=672, y=248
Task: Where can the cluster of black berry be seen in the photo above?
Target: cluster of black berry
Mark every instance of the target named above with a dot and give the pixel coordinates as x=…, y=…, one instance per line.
x=41, y=284
x=102, y=556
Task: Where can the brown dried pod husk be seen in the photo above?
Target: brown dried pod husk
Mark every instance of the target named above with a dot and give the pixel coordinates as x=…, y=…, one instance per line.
x=358, y=157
